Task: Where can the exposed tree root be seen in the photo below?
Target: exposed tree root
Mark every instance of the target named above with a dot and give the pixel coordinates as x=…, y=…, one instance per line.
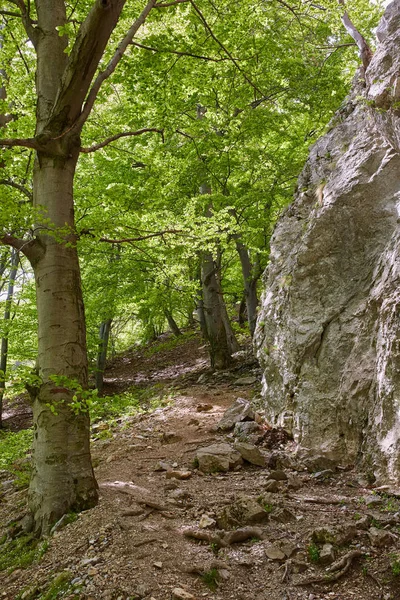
x=335, y=572
x=224, y=539
x=141, y=495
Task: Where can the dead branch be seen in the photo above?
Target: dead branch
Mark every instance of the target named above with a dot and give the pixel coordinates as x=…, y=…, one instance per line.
x=117, y=136
x=364, y=50
x=335, y=572
x=316, y=500
x=222, y=539
x=141, y=495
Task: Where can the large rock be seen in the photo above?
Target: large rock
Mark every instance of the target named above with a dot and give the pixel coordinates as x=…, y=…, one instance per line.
x=218, y=457
x=328, y=329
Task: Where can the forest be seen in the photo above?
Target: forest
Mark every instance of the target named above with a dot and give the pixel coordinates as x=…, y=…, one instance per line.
x=169, y=263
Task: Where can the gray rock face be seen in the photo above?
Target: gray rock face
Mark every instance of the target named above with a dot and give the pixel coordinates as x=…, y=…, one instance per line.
x=328, y=330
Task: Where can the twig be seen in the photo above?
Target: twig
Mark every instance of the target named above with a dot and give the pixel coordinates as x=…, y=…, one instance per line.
x=179, y=53
x=239, y=68
x=117, y=136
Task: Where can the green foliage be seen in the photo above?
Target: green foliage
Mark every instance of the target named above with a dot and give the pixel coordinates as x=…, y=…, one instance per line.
x=13, y=448
x=21, y=552
x=395, y=564
x=210, y=579
x=313, y=553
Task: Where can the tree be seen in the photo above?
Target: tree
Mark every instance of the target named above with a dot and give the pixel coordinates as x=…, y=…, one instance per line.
x=66, y=90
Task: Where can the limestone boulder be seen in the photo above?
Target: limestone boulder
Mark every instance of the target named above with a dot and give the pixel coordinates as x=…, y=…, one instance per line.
x=328, y=328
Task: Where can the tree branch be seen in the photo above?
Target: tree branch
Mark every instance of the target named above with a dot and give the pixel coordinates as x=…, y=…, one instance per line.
x=117, y=136
x=112, y=65
x=177, y=52
x=32, y=249
x=365, y=51
x=138, y=239
x=234, y=61
x=26, y=143
x=18, y=187
x=26, y=20
x=170, y=3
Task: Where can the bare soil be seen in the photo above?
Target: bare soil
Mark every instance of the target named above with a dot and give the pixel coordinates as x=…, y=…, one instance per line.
x=125, y=549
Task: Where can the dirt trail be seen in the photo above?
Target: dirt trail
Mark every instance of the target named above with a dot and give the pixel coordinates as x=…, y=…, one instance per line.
x=133, y=544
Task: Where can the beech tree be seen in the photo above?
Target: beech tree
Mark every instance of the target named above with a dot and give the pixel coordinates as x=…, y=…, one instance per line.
x=66, y=91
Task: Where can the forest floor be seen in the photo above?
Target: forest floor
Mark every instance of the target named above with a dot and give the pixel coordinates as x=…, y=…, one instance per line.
x=142, y=540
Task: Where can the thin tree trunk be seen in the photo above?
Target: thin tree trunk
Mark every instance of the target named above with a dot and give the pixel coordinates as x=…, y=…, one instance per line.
x=172, y=323
x=62, y=478
x=201, y=316
x=104, y=335
x=7, y=317
x=219, y=349
x=250, y=278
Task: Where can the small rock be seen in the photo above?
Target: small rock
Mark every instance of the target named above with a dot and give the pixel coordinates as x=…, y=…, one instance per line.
x=218, y=457
x=274, y=553
x=246, y=510
x=92, y=571
x=171, y=485
x=364, y=522
x=283, y=515
x=181, y=475
x=334, y=535
x=271, y=485
x=162, y=466
x=372, y=501
x=319, y=463
x=327, y=554
x=203, y=378
x=206, y=521
x=60, y=524
x=379, y=537
x=288, y=549
x=142, y=590
x=158, y=565
x=85, y=562
x=179, y=494
x=250, y=453
x=294, y=483
x=299, y=566
x=170, y=437
x=323, y=475
x=180, y=594
x=278, y=475
x=241, y=410
x=204, y=407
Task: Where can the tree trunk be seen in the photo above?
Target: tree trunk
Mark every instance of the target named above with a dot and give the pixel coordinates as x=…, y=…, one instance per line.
x=250, y=285
x=7, y=316
x=172, y=323
x=219, y=348
x=201, y=316
x=63, y=478
x=104, y=335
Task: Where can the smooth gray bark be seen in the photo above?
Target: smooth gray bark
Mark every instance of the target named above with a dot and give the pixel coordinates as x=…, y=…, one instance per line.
x=250, y=274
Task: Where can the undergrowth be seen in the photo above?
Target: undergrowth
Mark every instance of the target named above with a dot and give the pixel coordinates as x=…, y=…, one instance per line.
x=21, y=552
